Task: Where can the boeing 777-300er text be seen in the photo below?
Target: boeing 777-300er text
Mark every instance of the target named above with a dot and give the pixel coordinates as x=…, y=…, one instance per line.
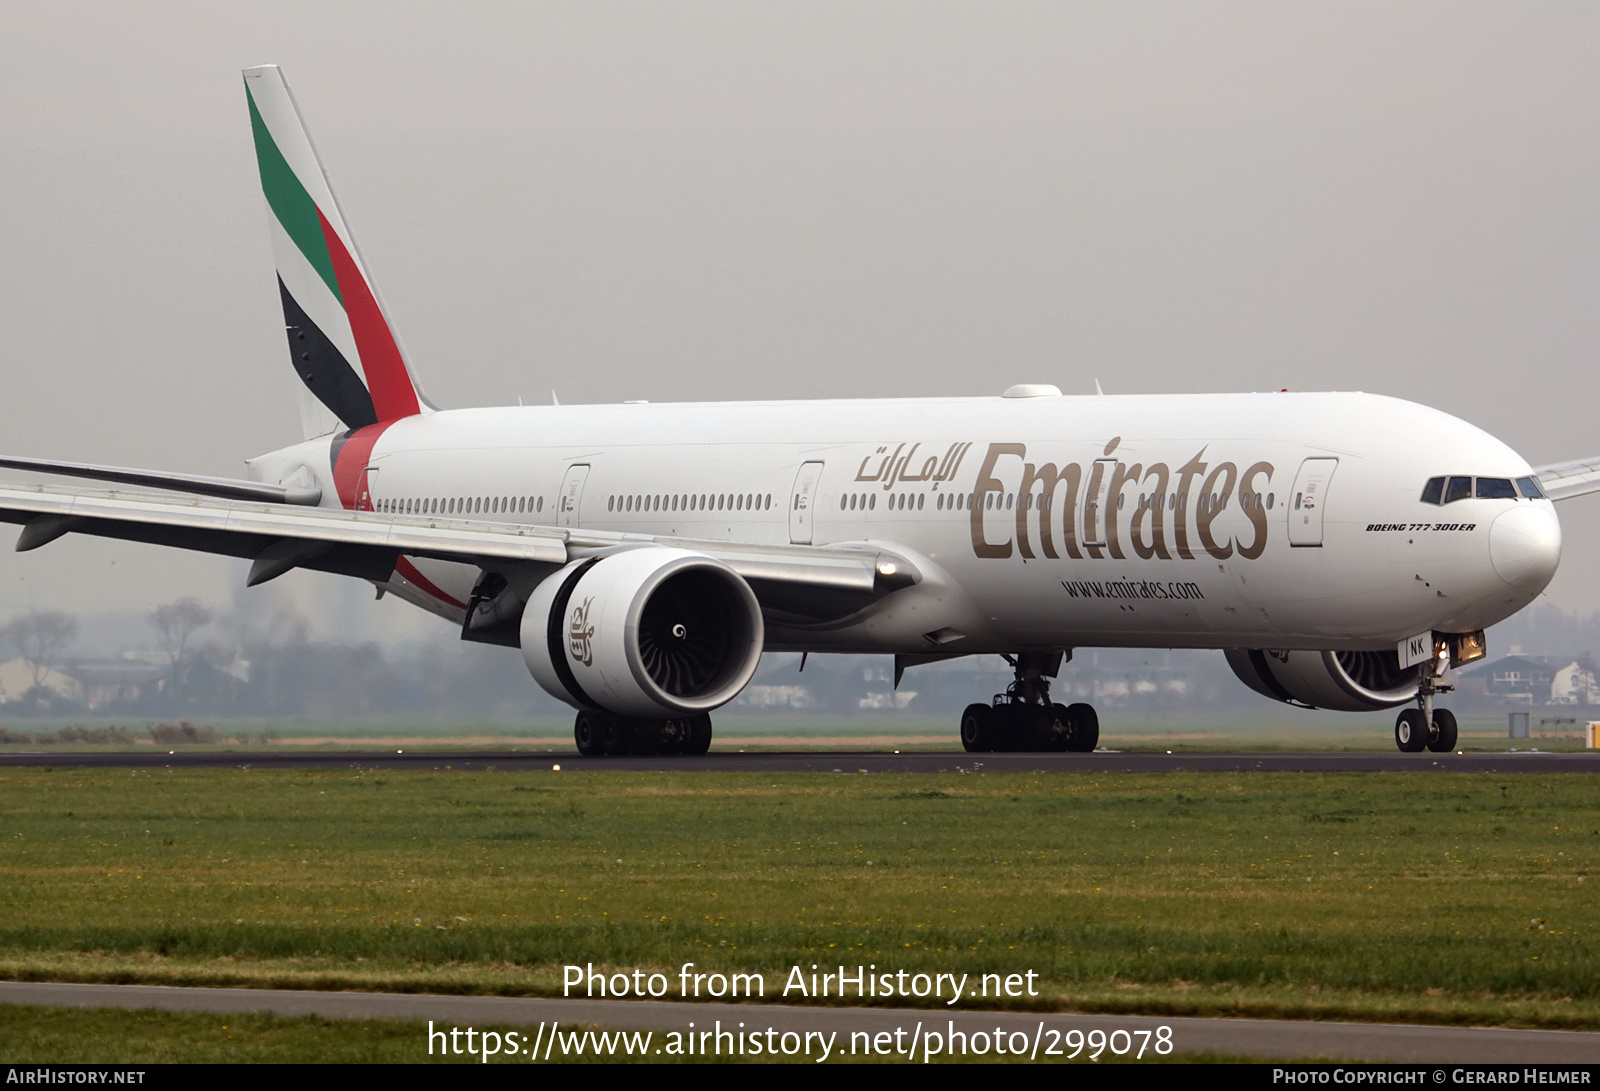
x=1345, y=550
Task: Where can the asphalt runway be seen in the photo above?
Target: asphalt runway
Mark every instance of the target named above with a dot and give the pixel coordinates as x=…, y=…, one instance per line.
x=827, y=762
x=1272, y=1039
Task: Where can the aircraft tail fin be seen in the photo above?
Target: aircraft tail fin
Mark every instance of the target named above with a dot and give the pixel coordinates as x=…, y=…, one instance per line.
x=340, y=340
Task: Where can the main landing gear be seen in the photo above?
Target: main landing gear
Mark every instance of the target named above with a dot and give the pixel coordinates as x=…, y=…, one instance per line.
x=1425, y=727
x=1024, y=718
x=600, y=733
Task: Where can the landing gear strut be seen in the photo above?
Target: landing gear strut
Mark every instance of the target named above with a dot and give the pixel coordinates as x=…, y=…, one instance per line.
x=601, y=733
x=1024, y=717
x=1425, y=727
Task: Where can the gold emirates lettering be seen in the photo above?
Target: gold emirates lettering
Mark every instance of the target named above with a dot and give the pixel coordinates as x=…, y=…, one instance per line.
x=580, y=634
x=1040, y=517
x=896, y=468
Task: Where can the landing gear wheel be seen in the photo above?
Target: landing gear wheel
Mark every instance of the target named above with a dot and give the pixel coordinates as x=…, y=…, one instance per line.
x=977, y=729
x=649, y=737
x=617, y=735
x=699, y=735
x=1083, y=726
x=588, y=731
x=1008, y=728
x=1034, y=730
x=1060, y=737
x=1445, y=732
x=1411, y=731
x=674, y=737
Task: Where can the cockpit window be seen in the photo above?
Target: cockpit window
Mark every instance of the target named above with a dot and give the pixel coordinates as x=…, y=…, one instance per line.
x=1447, y=490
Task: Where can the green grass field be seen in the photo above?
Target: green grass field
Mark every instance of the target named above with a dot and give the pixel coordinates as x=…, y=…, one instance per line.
x=1415, y=897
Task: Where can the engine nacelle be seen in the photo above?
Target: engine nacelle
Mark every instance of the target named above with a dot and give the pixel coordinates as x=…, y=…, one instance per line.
x=1340, y=681
x=650, y=632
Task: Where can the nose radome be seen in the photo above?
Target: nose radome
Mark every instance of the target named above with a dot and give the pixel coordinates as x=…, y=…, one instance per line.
x=1525, y=545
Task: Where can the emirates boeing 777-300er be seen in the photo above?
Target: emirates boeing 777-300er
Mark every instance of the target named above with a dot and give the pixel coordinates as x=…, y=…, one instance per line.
x=1345, y=550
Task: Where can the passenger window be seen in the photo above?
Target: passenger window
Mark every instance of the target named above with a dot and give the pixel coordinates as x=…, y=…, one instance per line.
x=1496, y=488
x=1433, y=491
x=1529, y=487
x=1459, y=488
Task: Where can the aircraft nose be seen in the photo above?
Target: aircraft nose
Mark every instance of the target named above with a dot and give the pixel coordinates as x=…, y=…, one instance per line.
x=1525, y=545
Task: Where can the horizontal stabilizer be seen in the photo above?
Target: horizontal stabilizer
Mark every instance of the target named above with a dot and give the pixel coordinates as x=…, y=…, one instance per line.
x=224, y=488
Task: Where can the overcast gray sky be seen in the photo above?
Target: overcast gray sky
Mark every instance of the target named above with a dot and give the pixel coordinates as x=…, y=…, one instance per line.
x=672, y=201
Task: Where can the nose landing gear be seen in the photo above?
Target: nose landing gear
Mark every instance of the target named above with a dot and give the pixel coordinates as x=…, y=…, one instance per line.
x=1425, y=727
x=1024, y=717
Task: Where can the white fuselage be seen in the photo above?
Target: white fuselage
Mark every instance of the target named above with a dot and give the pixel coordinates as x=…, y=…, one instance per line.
x=1172, y=520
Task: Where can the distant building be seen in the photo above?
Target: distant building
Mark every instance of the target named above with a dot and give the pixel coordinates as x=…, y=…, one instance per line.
x=16, y=679
x=1556, y=680
x=798, y=697
x=1574, y=684
x=102, y=683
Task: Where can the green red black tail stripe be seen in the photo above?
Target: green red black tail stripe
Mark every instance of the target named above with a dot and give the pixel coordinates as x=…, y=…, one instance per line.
x=323, y=368
x=393, y=396
x=340, y=341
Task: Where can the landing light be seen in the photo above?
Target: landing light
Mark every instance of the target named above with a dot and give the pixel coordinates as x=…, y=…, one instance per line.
x=886, y=568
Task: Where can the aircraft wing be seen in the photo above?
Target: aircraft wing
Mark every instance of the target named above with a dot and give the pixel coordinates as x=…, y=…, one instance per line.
x=364, y=544
x=1564, y=480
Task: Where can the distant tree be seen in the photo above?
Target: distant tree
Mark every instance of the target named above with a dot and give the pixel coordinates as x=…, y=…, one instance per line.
x=175, y=623
x=39, y=638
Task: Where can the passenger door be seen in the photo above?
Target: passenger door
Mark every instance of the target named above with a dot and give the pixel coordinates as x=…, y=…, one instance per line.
x=369, y=478
x=1097, y=504
x=571, y=497
x=1307, y=500
x=803, y=501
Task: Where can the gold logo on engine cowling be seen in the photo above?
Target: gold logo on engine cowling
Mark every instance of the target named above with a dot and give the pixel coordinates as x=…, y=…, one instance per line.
x=580, y=634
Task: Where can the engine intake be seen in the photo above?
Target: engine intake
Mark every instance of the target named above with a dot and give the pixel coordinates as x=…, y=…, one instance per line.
x=1340, y=681
x=648, y=632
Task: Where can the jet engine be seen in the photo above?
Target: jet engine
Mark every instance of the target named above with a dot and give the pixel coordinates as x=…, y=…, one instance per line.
x=650, y=633
x=1340, y=681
